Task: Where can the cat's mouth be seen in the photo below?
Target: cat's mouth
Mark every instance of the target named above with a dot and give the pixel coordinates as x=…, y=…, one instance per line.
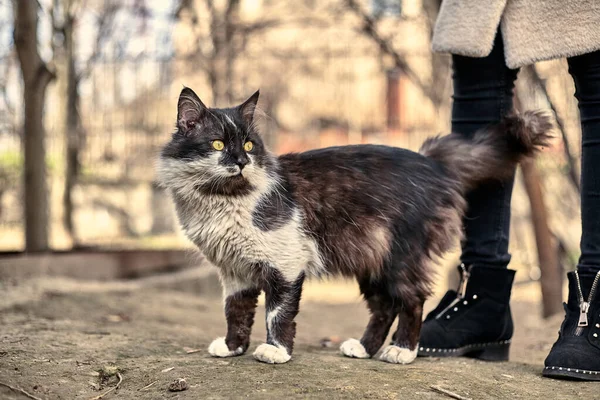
x=236, y=176
x=239, y=176
x=226, y=185
x=235, y=171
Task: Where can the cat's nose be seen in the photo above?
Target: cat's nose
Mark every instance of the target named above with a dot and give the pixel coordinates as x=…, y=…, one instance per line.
x=242, y=161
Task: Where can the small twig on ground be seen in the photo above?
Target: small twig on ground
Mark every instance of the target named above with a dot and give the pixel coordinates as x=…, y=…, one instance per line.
x=147, y=386
x=109, y=390
x=18, y=390
x=190, y=351
x=96, y=332
x=448, y=393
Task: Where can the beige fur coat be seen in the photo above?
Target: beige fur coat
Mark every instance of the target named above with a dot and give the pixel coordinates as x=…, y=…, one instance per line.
x=532, y=30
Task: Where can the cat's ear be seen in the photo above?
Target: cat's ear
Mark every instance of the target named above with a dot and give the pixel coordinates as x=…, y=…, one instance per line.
x=190, y=110
x=248, y=107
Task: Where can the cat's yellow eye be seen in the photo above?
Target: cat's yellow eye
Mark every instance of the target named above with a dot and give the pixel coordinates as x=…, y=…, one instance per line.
x=248, y=146
x=218, y=145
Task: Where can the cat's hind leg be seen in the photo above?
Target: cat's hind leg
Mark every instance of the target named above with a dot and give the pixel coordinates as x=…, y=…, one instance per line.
x=408, y=280
x=383, y=314
x=405, y=342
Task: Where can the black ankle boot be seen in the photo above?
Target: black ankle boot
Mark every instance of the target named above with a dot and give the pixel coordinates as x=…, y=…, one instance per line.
x=473, y=322
x=576, y=353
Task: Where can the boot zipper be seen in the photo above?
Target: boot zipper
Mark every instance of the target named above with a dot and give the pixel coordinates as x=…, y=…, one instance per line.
x=465, y=275
x=584, y=306
x=462, y=291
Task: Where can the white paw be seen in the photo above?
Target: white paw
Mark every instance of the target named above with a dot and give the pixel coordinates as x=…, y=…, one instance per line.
x=353, y=348
x=218, y=348
x=398, y=355
x=270, y=354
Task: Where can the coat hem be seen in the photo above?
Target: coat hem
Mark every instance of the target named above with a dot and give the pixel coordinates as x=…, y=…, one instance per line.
x=515, y=62
x=518, y=62
x=471, y=52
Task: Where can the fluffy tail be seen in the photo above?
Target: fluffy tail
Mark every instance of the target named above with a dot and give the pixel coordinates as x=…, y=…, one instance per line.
x=492, y=152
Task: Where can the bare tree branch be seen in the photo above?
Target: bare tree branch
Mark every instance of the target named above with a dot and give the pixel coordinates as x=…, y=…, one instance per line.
x=227, y=37
x=369, y=28
x=105, y=24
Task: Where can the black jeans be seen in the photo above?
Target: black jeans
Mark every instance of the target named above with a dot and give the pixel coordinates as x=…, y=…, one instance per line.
x=483, y=91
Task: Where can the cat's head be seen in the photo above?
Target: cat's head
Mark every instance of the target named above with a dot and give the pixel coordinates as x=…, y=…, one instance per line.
x=215, y=151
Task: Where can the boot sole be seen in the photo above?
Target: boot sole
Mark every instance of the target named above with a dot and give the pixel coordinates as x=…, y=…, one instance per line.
x=495, y=351
x=571, y=373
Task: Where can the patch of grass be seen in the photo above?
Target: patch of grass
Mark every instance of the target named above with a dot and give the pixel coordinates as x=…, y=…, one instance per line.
x=11, y=160
x=11, y=166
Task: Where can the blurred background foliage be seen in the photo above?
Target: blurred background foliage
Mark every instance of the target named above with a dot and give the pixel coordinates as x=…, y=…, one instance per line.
x=331, y=72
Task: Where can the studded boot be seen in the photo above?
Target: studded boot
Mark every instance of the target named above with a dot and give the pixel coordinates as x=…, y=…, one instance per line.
x=576, y=353
x=474, y=321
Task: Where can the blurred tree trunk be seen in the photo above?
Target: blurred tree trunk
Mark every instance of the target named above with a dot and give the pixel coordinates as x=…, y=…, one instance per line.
x=223, y=57
x=74, y=133
x=551, y=272
x=72, y=126
x=36, y=77
x=231, y=19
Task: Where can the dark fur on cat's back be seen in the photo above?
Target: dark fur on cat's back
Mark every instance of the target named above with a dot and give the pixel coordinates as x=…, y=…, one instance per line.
x=375, y=213
x=358, y=199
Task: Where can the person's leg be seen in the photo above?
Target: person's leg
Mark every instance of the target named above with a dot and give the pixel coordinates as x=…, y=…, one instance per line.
x=483, y=94
x=476, y=320
x=576, y=353
x=585, y=70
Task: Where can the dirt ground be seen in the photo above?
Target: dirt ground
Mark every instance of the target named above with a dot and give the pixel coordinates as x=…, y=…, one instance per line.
x=55, y=334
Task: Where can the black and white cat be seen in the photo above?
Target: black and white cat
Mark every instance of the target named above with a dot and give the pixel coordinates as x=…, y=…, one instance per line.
x=375, y=213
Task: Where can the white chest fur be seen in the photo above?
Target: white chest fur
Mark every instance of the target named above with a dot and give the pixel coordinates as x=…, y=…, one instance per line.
x=222, y=228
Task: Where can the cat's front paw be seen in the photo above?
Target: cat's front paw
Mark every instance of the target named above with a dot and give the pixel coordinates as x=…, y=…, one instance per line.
x=270, y=354
x=218, y=348
x=354, y=348
x=398, y=355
